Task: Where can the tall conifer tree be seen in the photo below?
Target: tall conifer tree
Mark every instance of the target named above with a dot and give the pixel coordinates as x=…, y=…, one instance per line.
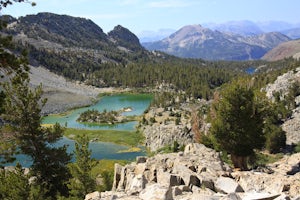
x=239, y=121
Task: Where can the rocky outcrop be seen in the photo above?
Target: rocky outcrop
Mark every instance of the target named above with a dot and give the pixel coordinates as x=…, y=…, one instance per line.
x=164, y=126
x=124, y=38
x=199, y=173
x=158, y=135
x=282, y=85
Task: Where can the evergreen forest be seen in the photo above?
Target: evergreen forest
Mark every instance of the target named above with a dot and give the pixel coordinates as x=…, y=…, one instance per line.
x=86, y=54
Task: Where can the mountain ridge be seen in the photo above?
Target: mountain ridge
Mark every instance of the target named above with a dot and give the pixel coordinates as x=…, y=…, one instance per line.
x=196, y=41
x=72, y=46
x=242, y=27
x=67, y=30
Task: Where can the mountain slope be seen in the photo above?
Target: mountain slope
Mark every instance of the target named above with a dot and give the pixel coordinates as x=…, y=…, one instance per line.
x=284, y=50
x=196, y=41
x=71, y=46
x=61, y=29
x=69, y=32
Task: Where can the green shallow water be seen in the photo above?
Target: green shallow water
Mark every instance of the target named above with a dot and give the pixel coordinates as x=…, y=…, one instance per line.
x=101, y=150
x=138, y=102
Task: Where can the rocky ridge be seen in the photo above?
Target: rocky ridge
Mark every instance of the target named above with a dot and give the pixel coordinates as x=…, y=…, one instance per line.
x=199, y=173
x=158, y=136
x=195, y=41
x=124, y=38
x=282, y=85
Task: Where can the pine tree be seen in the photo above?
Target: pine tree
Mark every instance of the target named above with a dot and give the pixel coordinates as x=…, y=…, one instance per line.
x=9, y=63
x=7, y=147
x=82, y=181
x=14, y=184
x=239, y=121
x=21, y=107
x=275, y=136
x=22, y=112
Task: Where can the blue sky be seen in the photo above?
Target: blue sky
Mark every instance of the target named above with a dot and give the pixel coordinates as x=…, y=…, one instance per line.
x=141, y=15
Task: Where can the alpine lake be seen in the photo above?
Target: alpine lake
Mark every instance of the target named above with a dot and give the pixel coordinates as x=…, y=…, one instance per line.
x=136, y=104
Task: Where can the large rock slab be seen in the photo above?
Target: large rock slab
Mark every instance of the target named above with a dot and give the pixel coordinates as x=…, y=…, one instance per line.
x=117, y=176
x=137, y=184
x=168, y=179
x=156, y=192
x=227, y=185
x=189, y=177
x=93, y=196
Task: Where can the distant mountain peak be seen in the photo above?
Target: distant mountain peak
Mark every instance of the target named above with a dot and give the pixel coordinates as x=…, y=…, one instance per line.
x=190, y=32
x=191, y=28
x=194, y=27
x=196, y=41
x=125, y=38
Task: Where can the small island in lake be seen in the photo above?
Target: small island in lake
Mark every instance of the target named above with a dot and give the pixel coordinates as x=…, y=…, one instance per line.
x=105, y=117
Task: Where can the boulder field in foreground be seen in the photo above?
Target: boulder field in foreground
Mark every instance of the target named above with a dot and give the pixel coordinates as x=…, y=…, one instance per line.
x=199, y=173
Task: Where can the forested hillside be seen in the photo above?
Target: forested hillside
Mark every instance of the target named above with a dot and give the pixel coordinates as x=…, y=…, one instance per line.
x=239, y=118
x=79, y=50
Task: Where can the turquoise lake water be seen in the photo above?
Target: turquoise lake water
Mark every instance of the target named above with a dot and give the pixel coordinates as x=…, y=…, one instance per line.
x=101, y=150
x=138, y=102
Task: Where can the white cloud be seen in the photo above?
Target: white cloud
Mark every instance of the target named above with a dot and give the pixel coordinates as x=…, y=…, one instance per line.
x=169, y=4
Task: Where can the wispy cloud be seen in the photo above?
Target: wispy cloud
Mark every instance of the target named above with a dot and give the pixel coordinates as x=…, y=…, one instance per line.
x=170, y=4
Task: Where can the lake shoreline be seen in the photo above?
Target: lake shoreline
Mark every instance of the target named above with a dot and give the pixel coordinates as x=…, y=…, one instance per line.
x=60, y=101
x=126, y=133
x=126, y=138
x=61, y=105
